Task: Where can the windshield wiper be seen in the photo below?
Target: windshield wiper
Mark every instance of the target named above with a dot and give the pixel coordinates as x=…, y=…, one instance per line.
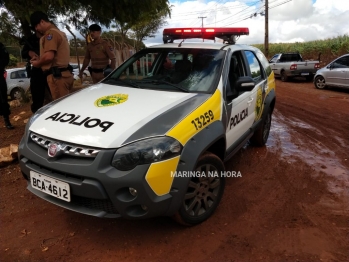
x=129, y=83
x=166, y=82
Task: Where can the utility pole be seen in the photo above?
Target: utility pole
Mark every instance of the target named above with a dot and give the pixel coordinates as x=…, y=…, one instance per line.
x=266, y=37
x=202, y=23
x=202, y=20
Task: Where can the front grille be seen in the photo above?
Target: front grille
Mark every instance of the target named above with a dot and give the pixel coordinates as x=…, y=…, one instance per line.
x=97, y=204
x=68, y=149
x=45, y=170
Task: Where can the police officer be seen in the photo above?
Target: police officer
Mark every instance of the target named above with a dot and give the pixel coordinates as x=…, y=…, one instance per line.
x=54, y=55
x=4, y=106
x=38, y=82
x=99, y=52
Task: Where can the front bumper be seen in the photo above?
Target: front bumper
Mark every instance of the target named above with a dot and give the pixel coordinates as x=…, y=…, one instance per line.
x=97, y=188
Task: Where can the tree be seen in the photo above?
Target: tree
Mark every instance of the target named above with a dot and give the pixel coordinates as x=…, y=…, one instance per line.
x=15, y=15
x=148, y=25
x=79, y=42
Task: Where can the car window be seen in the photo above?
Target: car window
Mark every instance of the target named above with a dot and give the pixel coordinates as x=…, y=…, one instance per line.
x=174, y=69
x=264, y=62
x=290, y=58
x=236, y=70
x=257, y=72
x=18, y=74
x=274, y=58
x=342, y=62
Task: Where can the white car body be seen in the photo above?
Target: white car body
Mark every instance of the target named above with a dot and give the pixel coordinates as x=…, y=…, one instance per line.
x=112, y=149
x=75, y=66
x=17, y=82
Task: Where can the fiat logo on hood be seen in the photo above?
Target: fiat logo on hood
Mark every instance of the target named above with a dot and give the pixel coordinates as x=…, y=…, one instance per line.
x=54, y=149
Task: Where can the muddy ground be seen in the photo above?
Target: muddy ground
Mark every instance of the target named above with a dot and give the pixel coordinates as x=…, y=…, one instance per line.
x=291, y=203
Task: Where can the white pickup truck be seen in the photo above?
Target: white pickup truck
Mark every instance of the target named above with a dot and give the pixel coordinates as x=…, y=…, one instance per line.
x=288, y=65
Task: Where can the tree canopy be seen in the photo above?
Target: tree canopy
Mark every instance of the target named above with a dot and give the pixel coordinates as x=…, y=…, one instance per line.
x=147, y=26
x=14, y=15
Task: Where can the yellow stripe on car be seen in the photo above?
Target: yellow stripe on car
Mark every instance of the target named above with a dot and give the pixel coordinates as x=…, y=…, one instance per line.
x=197, y=120
x=160, y=175
x=271, y=82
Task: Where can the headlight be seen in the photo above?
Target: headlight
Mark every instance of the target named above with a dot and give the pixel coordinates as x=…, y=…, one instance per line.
x=146, y=152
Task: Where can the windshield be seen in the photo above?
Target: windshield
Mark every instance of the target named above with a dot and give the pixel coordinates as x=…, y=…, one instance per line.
x=179, y=69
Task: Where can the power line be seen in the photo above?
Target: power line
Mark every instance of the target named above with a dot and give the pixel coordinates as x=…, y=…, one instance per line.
x=208, y=9
x=279, y=4
x=235, y=14
x=255, y=14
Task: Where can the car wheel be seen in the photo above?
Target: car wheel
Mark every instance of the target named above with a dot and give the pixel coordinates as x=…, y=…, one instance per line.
x=320, y=82
x=16, y=93
x=204, y=192
x=260, y=136
x=284, y=76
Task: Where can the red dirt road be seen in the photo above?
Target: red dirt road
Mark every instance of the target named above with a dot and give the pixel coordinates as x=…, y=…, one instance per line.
x=291, y=203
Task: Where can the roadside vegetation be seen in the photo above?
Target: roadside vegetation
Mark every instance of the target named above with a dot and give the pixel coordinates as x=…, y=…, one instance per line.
x=329, y=48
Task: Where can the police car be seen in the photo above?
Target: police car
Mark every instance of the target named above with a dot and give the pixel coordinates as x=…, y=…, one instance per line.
x=151, y=139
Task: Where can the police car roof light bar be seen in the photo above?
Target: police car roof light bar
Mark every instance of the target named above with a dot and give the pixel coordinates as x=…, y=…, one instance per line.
x=228, y=34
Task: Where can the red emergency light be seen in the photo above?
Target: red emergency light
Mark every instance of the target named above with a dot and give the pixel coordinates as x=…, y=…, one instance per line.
x=226, y=33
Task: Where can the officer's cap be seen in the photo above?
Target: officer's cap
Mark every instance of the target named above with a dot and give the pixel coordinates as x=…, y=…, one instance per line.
x=95, y=27
x=36, y=17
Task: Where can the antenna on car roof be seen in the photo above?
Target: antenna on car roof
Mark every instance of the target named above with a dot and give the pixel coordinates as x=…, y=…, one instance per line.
x=180, y=44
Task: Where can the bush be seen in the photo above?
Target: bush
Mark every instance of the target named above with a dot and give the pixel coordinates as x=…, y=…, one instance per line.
x=13, y=61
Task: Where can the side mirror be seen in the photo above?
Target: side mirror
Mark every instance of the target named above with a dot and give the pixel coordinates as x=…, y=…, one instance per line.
x=244, y=84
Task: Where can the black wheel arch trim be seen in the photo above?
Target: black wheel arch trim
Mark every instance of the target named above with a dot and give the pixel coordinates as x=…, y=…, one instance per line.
x=269, y=102
x=195, y=147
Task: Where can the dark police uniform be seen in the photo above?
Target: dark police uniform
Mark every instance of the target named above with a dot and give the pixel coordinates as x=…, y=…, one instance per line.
x=4, y=106
x=38, y=82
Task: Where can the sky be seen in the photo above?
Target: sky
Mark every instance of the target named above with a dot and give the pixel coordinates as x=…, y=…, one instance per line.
x=289, y=20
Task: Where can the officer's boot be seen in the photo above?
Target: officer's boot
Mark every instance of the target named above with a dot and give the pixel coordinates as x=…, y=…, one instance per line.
x=8, y=123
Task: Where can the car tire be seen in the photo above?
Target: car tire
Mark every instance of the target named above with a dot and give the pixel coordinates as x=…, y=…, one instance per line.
x=260, y=136
x=16, y=93
x=203, y=193
x=284, y=76
x=320, y=82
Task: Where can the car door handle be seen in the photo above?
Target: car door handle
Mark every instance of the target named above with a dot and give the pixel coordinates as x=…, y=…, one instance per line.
x=20, y=81
x=250, y=101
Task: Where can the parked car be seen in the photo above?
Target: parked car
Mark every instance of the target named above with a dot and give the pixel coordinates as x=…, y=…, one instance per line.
x=153, y=144
x=335, y=73
x=17, y=82
x=86, y=73
x=288, y=65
